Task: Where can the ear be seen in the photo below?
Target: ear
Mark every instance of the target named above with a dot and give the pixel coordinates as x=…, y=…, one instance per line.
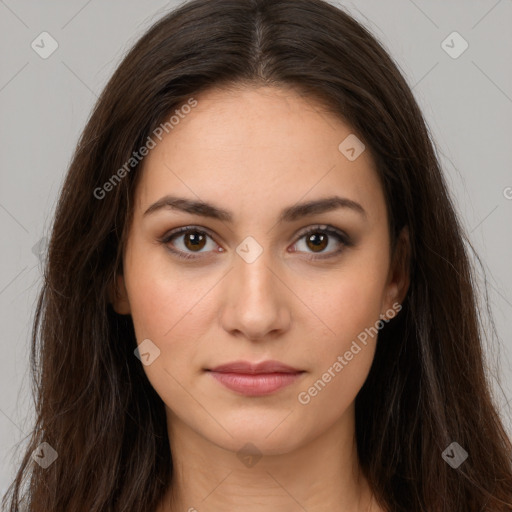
x=118, y=296
x=399, y=272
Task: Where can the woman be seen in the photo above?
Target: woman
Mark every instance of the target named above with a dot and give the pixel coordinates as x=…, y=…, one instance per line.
x=258, y=294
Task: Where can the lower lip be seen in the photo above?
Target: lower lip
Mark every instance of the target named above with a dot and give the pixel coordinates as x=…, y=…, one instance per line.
x=255, y=384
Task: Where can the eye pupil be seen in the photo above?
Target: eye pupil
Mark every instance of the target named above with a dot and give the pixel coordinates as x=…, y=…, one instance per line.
x=195, y=239
x=319, y=241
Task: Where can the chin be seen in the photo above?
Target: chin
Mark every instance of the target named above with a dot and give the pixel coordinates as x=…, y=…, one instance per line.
x=270, y=434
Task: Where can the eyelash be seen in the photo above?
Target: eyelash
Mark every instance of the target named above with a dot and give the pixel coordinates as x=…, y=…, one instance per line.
x=341, y=237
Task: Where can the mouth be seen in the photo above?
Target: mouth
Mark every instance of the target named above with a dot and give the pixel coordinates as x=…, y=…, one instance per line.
x=259, y=379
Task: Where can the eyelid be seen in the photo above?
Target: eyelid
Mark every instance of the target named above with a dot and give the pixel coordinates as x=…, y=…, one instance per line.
x=327, y=228
x=330, y=230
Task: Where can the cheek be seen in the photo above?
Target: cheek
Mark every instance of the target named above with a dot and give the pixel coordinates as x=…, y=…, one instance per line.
x=350, y=306
x=175, y=321
x=342, y=362
x=162, y=296
x=166, y=309
x=351, y=299
x=175, y=310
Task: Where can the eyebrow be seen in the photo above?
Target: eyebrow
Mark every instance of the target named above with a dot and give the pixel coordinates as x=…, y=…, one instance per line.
x=289, y=214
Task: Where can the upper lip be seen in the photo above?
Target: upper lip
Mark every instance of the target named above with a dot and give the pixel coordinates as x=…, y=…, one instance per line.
x=253, y=368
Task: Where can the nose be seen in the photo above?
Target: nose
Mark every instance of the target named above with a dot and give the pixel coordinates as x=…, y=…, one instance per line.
x=256, y=300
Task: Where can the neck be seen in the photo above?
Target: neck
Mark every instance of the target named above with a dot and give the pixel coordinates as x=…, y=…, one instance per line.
x=322, y=473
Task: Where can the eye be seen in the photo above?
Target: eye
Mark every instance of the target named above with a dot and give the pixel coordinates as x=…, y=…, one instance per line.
x=317, y=238
x=194, y=240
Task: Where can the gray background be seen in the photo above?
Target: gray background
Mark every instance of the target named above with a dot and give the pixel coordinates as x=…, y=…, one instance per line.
x=44, y=104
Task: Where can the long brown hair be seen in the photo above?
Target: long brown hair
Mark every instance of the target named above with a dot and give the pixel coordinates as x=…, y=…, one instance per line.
x=427, y=386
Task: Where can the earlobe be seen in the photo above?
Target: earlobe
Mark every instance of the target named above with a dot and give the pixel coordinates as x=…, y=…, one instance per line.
x=399, y=280
x=118, y=296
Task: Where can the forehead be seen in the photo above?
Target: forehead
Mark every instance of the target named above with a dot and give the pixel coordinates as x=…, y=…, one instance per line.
x=257, y=149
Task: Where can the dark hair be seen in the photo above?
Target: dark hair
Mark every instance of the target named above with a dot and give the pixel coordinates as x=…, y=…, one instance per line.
x=427, y=386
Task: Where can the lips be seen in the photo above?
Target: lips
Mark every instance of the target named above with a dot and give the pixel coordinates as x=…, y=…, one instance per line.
x=255, y=379
x=255, y=368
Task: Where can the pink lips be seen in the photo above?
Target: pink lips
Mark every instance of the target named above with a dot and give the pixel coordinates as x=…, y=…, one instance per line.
x=255, y=379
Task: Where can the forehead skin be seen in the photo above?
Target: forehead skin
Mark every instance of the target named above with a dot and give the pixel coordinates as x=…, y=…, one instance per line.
x=220, y=153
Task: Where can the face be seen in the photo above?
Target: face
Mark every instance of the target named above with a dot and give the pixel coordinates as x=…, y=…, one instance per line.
x=266, y=279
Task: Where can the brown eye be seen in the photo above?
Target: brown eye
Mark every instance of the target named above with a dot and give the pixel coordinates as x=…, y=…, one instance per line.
x=194, y=240
x=317, y=241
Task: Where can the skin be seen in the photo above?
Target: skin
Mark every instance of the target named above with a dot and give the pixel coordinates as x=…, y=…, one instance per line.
x=255, y=151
